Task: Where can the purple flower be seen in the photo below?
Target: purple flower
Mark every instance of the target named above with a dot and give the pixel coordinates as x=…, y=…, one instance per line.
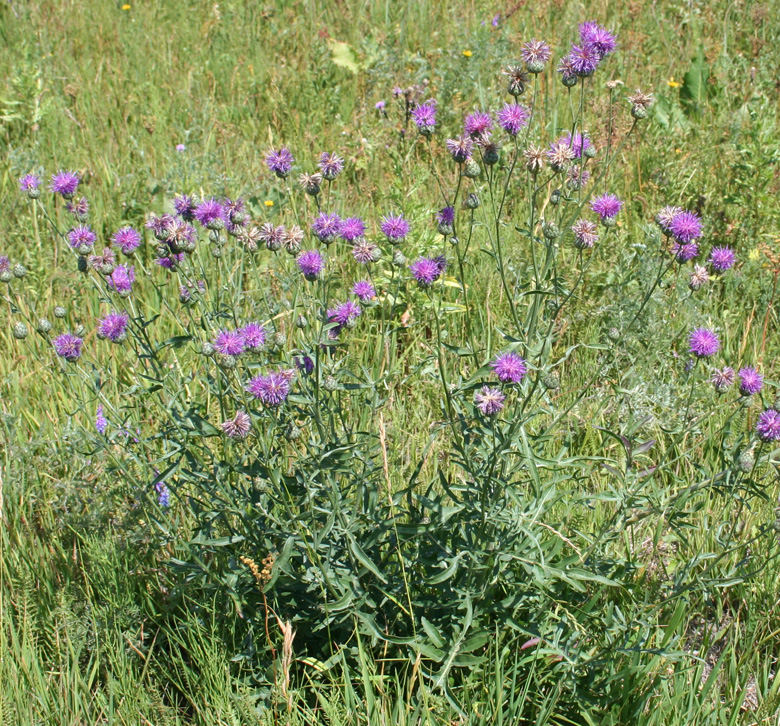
x=185, y=206
x=750, y=381
x=280, y=162
x=685, y=252
x=127, y=239
x=170, y=261
x=566, y=68
x=685, y=227
x=703, y=342
x=81, y=239
x=114, y=327
x=535, y=54
x=254, y=336
x=239, y=426
x=723, y=379
x=446, y=216
x=29, y=183
x=5, y=263
x=594, y=35
x=665, y=216
x=363, y=290
x=271, y=389
x=426, y=271
x=211, y=214
x=577, y=177
x=379, y=105
x=68, y=346
x=101, y=422
x=509, y=367
x=311, y=263
x=235, y=211
x=229, y=342
x=330, y=165
x=159, y=225
x=326, y=227
x=478, y=124
x=64, y=183
x=489, y=400
x=607, y=206
x=768, y=425
x=121, y=280
x=584, y=233
x=496, y=20
x=395, y=228
x=513, y=118
x=163, y=495
x=366, y=252
x=460, y=148
x=180, y=148
x=345, y=313
x=424, y=116
x=722, y=258
x=304, y=363
x=583, y=59
x=79, y=208
x=352, y=228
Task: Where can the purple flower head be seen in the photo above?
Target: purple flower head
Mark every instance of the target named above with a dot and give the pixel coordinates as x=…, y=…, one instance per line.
x=344, y=313
x=509, y=367
x=304, y=363
x=366, y=252
x=496, y=20
x=5, y=263
x=271, y=389
x=101, y=422
x=607, y=206
x=352, y=228
x=722, y=379
x=478, y=124
x=184, y=206
x=311, y=264
x=170, y=261
x=159, y=225
x=64, y=183
x=446, y=216
x=363, y=290
x=750, y=381
x=424, y=116
x=235, y=211
x=665, y=216
x=722, y=258
x=81, y=239
x=585, y=235
x=685, y=252
x=583, y=59
x=426, y=271
x=703, y=342
x=441, y=261
x=68, y=346
x=685, y=227
x=379, y=105
x=577, y=177
x=768, y=425
x=326, y=227
x=127, y=239
x=490, y=401
x=29, y=183
x=210, y=213
x=114, y=327
x=395, y=228
x=330, y=165
x=121, y=280
x=273, y=237
x=513, y=118
x=78, y=208
x=163, y=495
x=460, y=149
x=566, y=67
x=280, y=162
x=180, y=148
x=104, y=263
x=230, y=342
x=254, y=336
x=580, y=144
x=599, y=38
x=535, y=54
x=239, y=426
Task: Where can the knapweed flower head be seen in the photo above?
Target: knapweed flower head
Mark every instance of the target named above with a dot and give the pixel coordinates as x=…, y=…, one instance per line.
x=722, y=258
x=79, y=208
x=253, y=335
x=513, y=118
x=577, y=177
x=182, y=236
x=460, y=149
x=113, y=327
x=703, y=342
x=509, y=367
x=305, y=364
x=722, y=379
x=597, y=37
x=30, y=184
x=478, y=124
x=101, y=422
x=311, y=183
x=580, y=144
x=768, y=425
x=170, y=261
x=311, y=264
x=64, y=183
x=82, y=239
x=585, y=234
x=446, y=215
x=685, y=226
x=583, y=59
x=127, y=239
x=159, y=225
x=211, y=214
x=235, y=211
x=121, y=280
x=534, y=159
x=345, y=313
x=665, y=216
x=490, y=401
x=352, y=229
x=271, y=389
x=640, y=103
x=685, y=252
x=280, y=162
x=68, y=346
x=426, y=271
x=699, y=277
x=239, y=426
x=326, y=227
x=272, y=237
x=518, y=79
x=535, y=54
x=293, y=239
x=560, y=154
x=366, y=252
x=567, y=70
x=229, y=342
x=395, y=228
x=330, y=165
x=607, y=206
x=750, y=381
x=103, y=263
x=185, y=207
x=363, y=290
x=424, y=117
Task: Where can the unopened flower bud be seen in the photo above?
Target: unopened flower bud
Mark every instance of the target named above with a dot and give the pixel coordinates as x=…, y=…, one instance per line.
x=471, y=169
x=19, y=270
x=399, y=260
x=613, y=334
x=44, y=326
x=82, y=264
x=79, y=331
x=279, y=339
x=60, y=312
x=746, y=461
x=206, y=348
x=301, y=322
x=551, y=381
x=226, y=362
x=550, y=230
x=6, y=275
x=555, y=196
x=293, y=433
x=472, y=201
x=20, y=331
x=216, y=251
x=330, y=384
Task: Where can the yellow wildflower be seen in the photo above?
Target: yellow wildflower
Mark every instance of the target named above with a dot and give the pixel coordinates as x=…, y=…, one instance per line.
x=754, y=254
x=125, y=7
x=269, y=202
x=467, y=53
x=673, y=83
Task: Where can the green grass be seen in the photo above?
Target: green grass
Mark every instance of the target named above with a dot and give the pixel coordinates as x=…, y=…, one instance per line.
x=94, y=629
